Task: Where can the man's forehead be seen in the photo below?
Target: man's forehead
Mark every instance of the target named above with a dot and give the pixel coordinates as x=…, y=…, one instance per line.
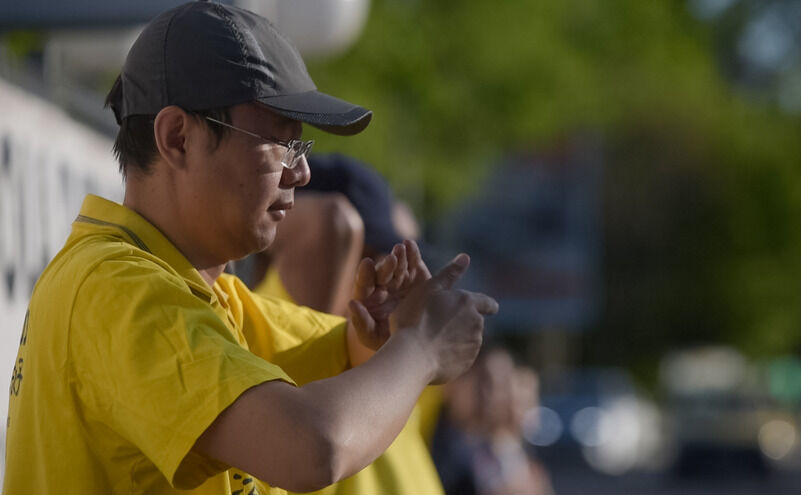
x=267, y=117
x=266, y=112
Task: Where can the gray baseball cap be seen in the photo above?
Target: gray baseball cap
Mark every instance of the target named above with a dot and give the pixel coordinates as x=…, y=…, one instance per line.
x=204, y=55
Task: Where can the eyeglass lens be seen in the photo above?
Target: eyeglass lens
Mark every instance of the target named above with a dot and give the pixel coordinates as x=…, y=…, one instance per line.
x=294, y=151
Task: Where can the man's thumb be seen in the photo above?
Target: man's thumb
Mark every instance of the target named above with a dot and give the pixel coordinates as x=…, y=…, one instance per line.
x=451, y=273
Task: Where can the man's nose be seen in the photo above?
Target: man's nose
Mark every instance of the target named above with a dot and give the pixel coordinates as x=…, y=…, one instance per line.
x=297, y=176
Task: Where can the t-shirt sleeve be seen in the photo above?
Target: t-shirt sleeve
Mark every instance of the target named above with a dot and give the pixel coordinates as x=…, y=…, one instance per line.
x=155, y=364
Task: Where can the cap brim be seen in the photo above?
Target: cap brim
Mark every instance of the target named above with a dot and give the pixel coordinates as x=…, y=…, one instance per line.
x=322, y=111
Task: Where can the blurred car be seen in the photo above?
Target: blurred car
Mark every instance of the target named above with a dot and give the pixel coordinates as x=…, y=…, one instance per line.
x=595, y=417
x=721, y=418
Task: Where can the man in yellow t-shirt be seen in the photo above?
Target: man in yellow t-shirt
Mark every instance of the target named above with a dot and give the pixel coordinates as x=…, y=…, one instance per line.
x=135, y=372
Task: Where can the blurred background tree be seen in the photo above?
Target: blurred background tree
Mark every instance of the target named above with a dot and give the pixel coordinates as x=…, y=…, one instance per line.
x=702, y=187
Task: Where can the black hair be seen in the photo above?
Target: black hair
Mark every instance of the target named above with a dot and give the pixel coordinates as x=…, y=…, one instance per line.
x=135, y=145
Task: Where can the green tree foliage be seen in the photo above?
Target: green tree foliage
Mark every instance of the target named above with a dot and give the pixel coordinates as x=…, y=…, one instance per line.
x=702, y=241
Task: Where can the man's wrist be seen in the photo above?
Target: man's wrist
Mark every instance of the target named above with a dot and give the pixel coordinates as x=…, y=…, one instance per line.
x=418, y=348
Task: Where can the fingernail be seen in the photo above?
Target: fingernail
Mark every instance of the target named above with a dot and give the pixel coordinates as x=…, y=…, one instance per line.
x=461, y=260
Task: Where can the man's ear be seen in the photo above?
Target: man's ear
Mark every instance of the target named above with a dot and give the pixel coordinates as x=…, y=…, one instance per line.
x=171, y=129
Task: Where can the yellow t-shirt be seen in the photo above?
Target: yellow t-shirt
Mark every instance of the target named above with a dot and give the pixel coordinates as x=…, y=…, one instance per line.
x=430, y=407
x=405, y=468
x=127, y=356
x=271, y=286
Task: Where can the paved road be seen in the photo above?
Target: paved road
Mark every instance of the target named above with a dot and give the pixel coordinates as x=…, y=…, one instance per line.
x=577, y=481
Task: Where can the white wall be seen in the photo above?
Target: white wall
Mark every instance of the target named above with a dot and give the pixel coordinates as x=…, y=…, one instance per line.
x=48, y=162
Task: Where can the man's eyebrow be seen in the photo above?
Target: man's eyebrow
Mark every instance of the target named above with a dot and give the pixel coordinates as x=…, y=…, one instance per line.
x=284, y=125
x=294, y=128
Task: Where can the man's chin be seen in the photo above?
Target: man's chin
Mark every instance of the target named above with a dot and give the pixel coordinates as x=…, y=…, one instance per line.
x=264, y=240
x=256, y=243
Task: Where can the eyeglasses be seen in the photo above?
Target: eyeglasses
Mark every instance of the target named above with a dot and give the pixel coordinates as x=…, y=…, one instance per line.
x=295, y=148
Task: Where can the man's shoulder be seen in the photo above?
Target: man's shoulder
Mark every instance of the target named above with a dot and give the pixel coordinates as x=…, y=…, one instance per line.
x=96, y=258
x=90, y=284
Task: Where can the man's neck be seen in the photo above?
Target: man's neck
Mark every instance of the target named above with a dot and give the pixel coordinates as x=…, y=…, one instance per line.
x=174, y=229
x=210, y=274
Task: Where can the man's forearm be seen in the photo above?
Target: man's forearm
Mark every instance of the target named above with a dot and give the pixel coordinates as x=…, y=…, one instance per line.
x=366, y=407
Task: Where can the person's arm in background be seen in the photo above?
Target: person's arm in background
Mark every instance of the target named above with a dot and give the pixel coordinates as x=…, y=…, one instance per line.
x=306, y=438
x=320, y=269
x=316, y=251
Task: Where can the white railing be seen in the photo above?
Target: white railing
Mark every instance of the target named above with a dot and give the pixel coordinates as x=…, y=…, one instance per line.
x=48, y=162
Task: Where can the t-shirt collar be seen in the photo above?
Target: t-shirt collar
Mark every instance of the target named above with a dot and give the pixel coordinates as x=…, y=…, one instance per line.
x=134, y=228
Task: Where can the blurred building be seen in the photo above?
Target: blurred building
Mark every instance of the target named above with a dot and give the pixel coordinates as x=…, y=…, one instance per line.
x=533, y=231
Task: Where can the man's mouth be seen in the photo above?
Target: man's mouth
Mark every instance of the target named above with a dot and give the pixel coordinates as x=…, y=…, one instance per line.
x=278, y=210
x=281, y=206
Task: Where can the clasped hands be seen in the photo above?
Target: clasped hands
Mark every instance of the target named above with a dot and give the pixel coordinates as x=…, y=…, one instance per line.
x=398, y=292
x=379, y=288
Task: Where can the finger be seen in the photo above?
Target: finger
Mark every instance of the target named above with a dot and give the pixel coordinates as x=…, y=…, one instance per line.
x=415, y=260
x=365, y=280
x=385, y=268
x=378, y=296
x=401, y=272
x=361, y=319
x=483, y=303
x=453, y=271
